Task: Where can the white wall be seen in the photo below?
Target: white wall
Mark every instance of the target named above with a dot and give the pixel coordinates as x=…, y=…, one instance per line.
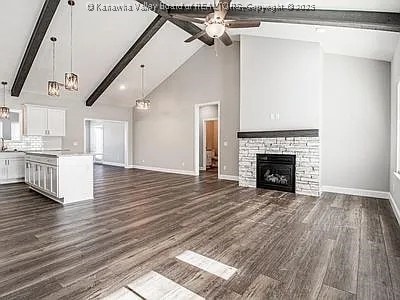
x=395, y=79
x=205, y=112
x=76, y=113
x=356, y=123
x=164, y=136
x=279, y=76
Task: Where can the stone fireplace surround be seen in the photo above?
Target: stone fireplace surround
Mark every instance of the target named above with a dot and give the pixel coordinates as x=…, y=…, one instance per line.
x=305, y=144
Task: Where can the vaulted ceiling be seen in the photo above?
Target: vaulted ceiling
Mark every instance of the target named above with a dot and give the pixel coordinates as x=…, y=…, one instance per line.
x=102, y=38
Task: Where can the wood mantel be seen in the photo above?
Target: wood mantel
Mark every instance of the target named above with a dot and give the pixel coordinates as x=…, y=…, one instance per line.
x=279, y=133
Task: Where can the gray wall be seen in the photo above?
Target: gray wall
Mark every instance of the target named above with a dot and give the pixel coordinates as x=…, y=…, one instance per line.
x=355, y=123
x=164, y=136
x=394, y=181
x=279, y=76
x=205, y=112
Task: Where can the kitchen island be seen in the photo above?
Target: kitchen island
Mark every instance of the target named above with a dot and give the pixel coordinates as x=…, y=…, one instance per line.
x=62, y=176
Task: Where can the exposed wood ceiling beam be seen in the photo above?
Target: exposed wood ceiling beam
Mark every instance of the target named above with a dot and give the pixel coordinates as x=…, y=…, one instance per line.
x=163, y=10
x=150, y=31
x=46, y=15
x=385, y=21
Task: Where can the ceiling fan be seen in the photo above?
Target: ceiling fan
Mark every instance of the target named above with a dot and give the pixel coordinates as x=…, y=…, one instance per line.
x=216, y=24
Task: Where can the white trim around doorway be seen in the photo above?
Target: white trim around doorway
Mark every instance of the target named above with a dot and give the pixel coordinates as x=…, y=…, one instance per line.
x=197, y=136
x=126, y=150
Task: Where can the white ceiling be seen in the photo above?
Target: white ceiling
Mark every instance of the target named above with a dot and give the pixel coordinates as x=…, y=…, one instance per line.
x=371, y=44
x=102, y=38
x=371, y=5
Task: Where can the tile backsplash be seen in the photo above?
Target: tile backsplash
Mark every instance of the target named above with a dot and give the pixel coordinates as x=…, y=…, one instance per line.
x=35, y=143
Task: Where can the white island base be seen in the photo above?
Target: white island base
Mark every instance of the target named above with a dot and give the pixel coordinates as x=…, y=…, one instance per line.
x=61, y=176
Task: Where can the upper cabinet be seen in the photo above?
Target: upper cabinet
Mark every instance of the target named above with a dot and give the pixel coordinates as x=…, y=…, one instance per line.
x=44, y=121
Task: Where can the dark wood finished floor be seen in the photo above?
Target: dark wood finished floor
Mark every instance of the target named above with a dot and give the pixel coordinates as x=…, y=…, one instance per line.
x=284, y=246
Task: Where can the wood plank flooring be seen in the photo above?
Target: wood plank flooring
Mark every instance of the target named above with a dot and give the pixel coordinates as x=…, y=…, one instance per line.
x=284, y=246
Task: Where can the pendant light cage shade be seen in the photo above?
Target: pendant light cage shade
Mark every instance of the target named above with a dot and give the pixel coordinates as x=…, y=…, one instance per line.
x=53, y=88
x=142, y=103
x=71, y=81
x=4, y=111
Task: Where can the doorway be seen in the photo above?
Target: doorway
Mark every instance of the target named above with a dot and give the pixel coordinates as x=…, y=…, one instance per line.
x=107, y=141
x=207, y=138
x=209, y=145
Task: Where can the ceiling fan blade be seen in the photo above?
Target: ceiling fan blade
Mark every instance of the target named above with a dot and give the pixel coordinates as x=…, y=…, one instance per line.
x=242, y=24
x=225, y=38
x=188, y=19
x=196, y=36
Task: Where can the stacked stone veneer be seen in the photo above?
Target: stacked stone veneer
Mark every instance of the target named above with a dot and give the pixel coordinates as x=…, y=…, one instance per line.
x=306, y=149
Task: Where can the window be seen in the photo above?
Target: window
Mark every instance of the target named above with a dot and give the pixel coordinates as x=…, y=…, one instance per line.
x=398, y=126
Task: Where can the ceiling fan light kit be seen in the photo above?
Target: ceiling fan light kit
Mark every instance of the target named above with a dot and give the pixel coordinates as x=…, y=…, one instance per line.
x=215, y=30
x=215, y=24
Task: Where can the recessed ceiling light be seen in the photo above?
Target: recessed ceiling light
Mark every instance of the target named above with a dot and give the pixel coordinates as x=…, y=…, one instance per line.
x=320, y=29
x=122, y=87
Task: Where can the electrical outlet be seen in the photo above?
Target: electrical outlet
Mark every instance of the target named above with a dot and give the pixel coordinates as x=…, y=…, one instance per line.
x=225, y=143
x=142, y=160
x=277, y=116
x=224, y=168
x=75, y=144
x=272, y=116
x=183, y=164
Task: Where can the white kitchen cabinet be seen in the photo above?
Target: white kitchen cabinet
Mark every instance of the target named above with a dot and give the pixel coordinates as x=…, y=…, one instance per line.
x=61, y=176
x=3, y=170
x=12, y=167
x=44, y=121
x=56, y=122
x=35, y=120
x=16, y=168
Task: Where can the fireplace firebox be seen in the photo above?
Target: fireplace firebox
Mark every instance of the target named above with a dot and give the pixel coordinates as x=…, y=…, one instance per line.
x=276, y=172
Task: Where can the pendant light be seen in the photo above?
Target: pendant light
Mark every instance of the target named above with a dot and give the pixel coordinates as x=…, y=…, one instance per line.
x=142, y=103
x=4, y=111
x=53, y=87
x=71, y=79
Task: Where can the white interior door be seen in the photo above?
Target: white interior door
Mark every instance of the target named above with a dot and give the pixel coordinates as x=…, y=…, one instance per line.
x=96, y=144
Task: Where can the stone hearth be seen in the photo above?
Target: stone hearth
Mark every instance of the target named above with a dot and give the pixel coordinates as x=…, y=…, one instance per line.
x=305, y=144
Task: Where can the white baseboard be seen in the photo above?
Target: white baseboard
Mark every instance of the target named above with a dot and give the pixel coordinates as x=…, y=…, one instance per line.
x=164, y=170
x=395, y=208
x=229, y=177
x=108, y=163
x=202, y=169
x=129, y=166
x=356, y=192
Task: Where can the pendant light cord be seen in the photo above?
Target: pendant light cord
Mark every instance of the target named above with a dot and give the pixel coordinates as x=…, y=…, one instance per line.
x=71, y=36
x=142, y=66
x=4, y=99
x=54, y=59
